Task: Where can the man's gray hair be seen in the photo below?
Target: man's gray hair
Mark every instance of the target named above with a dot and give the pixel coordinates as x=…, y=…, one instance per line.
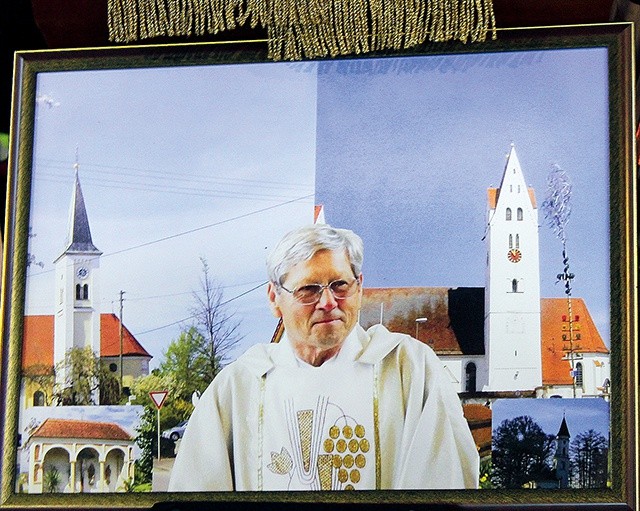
x=302, y=244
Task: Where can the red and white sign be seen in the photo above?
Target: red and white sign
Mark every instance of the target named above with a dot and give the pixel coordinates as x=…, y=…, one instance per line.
x=158, y=397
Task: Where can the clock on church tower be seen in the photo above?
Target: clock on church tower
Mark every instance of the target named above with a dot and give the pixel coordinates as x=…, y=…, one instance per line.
x=514, y=255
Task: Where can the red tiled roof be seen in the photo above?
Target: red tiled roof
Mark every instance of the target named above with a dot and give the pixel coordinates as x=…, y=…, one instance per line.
x=71, y=428
x=454, y=316
x=554, y=324
x=401, y=306
x=479, y=420
x=474, y=412
x=37, y=347
x=110, y=338
x=38, y=340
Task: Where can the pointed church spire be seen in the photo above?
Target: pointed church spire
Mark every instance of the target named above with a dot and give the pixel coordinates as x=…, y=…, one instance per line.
x=79, y=234
x=564, y=429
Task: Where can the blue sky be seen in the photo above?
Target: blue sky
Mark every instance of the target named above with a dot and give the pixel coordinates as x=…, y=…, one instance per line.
x=220, y=161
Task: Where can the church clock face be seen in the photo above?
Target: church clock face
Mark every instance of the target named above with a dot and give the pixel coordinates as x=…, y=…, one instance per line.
x=82, y=272
x=514, y=255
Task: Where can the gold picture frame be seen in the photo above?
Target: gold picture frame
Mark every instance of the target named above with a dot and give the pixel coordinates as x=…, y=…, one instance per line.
x=30, y=178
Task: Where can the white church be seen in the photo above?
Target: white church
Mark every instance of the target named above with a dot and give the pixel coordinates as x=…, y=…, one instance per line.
x=503, y=339
x=77, y=321
x=77, y=455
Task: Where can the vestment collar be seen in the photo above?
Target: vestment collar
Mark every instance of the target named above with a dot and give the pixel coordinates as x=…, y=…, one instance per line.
x=374, y=344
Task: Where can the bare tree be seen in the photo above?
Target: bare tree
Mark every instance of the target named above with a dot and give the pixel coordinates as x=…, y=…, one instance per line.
x=589, y=453
x=217, y=326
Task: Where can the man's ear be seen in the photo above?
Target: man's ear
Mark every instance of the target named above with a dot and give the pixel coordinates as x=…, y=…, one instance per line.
x=272, y=294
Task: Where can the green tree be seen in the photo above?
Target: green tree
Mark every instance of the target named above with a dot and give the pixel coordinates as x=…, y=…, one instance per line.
x=174, y=409
x=145, y=438
x=183, y=361
x=85, y=377
x=42, y=377
x=589, y=459
x=521, y=452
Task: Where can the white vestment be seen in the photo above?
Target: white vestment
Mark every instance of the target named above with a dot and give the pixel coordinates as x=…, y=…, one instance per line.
x=382, y=415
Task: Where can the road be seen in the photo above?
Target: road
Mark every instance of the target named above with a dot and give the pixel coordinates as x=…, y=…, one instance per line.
x=161, y=471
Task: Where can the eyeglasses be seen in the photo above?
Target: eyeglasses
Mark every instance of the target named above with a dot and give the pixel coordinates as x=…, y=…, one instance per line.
x=311, y=293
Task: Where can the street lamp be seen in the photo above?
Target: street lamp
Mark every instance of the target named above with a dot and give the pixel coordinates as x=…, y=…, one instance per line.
x=418, y=321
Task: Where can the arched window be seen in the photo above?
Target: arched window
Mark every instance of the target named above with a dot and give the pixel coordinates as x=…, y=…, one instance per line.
x=578, y=374
x=510, y=241
x=517, y=241
x=38, y=398
x=470, y=377
x=514, y=286
x=82, y=292
x=520, y=214
x=508, y=214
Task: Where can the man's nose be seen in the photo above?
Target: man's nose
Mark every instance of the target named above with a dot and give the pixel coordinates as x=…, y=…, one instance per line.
x=327, y=300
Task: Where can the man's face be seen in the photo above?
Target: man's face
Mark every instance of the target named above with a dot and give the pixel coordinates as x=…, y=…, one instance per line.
x=326, y=324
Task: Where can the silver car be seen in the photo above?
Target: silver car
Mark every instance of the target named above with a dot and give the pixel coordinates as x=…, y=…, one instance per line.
x=175, y=432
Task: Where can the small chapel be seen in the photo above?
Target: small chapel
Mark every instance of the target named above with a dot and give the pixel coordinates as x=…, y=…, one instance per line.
x=77, y=321
x=503, y=339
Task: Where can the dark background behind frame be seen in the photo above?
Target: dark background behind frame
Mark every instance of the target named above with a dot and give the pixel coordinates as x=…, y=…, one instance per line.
x=43, y=24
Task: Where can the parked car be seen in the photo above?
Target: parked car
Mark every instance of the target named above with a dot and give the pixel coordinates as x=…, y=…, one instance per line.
x=175, y=432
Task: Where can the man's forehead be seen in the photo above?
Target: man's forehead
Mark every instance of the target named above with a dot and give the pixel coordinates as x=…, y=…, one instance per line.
x=322, y=261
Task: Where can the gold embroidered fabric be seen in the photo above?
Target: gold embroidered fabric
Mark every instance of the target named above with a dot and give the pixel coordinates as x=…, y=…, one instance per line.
x=311, y=28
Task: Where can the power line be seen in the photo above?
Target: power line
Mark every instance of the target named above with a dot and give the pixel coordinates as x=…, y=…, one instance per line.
x=167, y=175
x=191, y=231
x=176, y=190
x=215, y=224
x=193, y=315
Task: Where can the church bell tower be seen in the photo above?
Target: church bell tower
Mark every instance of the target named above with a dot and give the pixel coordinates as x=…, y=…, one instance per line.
x=77, y=300
x=512, y=294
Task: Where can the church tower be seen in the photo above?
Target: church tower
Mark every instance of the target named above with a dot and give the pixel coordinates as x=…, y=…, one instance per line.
x=77, y=300
x=561, y=456
x=512, y=293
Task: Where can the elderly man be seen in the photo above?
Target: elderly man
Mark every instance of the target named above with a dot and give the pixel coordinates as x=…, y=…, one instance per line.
x=329, y=407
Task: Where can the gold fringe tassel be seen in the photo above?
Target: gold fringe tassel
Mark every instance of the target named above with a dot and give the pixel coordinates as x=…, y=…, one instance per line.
x=312, y=28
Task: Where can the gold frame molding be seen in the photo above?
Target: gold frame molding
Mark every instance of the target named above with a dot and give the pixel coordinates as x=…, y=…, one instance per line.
x=616, y=37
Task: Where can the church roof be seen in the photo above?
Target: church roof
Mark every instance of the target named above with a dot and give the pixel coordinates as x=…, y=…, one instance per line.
x=564, y=429
x=37, y=348
x=479, y=419
x=554, y=331
x=454, y=316
x=79, y=236
x=493, y=194
x=455, y=323
x=110, y=338
x=72, y=428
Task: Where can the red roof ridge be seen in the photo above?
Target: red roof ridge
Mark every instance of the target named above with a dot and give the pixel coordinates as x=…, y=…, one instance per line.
x=77, y=428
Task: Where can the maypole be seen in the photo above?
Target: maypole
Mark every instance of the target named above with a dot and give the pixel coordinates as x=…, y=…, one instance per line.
x=557, y=209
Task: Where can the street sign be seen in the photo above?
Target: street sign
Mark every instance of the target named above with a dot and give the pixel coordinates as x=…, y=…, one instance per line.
x=158, y=397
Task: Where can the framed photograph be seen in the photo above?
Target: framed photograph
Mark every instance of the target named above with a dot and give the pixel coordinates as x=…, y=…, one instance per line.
x=492, y=184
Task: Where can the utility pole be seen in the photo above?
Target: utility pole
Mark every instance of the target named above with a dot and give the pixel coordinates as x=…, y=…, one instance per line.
x=121, y=342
